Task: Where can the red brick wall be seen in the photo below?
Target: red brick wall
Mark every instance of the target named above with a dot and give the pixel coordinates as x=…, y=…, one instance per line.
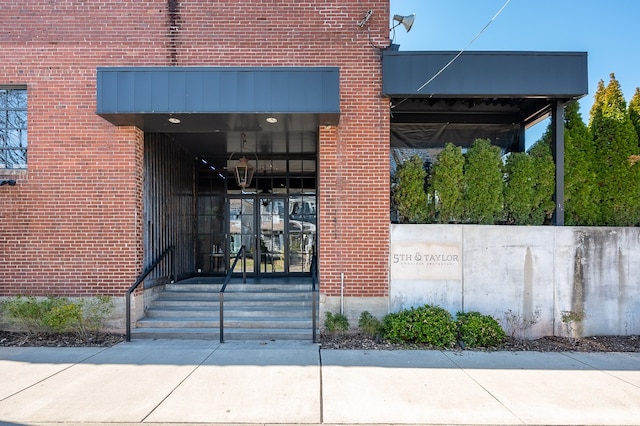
x=73, y=225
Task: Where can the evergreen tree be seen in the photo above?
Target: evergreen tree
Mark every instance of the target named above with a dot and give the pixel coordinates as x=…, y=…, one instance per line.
x=544, y=180
x=446, y=185
x=519, y=187
x=483, y=189
x=598, y=100
x=634, y=111
x=410, y=196
x=581, y=196
x=616, y=144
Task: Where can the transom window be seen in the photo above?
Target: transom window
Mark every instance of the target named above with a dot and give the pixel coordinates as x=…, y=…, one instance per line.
x=13, y=128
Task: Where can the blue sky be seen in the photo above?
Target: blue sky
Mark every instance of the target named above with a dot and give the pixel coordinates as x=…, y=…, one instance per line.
x=608, y=30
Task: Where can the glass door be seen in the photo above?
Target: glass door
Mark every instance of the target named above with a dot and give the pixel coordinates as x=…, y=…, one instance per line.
x=278, y=231
x=272, y=235
x=242, y=231
x=301, y=232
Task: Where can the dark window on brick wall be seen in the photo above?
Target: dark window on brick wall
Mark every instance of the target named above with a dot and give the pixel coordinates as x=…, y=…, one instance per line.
x=13, y=128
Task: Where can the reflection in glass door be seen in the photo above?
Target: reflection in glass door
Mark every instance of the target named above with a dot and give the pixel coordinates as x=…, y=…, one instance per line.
x=301, y=232
x=211, y=234
x=278, y=231
x=272, y=236
x=242, y=231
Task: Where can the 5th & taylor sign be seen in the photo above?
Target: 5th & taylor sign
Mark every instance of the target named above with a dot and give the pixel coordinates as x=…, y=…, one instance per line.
x=420, y=260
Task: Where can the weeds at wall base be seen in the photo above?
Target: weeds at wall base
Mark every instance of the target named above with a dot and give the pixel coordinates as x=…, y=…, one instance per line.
x=58, y=316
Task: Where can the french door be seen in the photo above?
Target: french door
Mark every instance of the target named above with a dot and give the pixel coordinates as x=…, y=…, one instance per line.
x=278, y=232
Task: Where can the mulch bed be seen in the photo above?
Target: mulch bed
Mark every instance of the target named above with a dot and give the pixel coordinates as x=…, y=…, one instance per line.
x=10, y=338
x=353, y=341
x=543, y=344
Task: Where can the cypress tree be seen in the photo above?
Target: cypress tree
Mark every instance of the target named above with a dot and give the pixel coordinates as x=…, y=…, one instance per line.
x=634, y=111
x=483, y=177
x=598, y=100
x=616, y=144
x=410, y=196
x=446, y=185
x=519, y=188
x=582, y=199
x=544, y=180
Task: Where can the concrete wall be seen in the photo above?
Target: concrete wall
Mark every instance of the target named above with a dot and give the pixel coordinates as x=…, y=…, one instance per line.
x=521, y=273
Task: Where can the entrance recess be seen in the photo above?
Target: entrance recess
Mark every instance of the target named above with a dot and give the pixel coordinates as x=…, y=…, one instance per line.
x=217, y=115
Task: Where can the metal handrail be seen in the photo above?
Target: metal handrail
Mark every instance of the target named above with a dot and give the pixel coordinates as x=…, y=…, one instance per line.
x=150, y=268
x=314, y=290
x=227, y=279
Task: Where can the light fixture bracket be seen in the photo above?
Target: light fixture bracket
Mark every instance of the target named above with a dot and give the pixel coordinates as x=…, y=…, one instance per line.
x=366, y=18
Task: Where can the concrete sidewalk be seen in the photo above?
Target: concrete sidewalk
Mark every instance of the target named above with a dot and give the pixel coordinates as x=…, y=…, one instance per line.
x=176, y=382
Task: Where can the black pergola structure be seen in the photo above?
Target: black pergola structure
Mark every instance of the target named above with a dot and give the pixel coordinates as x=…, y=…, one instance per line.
x=442, y=97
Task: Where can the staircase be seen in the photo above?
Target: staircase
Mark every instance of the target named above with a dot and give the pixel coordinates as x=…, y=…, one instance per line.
x=260, y=309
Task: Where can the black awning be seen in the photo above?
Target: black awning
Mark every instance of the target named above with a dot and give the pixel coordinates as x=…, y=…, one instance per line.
x=210, y=99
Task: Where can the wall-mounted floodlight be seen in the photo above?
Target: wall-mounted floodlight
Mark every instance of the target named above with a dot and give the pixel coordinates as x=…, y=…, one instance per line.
x=406, y=21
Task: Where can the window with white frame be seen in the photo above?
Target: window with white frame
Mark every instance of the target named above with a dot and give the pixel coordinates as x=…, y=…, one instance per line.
x=13, y=128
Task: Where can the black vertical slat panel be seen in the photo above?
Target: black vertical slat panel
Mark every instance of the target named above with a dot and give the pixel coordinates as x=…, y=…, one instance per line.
x=168, y=206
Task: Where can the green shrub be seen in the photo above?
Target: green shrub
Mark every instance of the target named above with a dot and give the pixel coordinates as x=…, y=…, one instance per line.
x=33, y=316
x=336, y=323
x=368, y=324
x=477, y=330
x=95, y=311
x=58, y=314
x=428, y=324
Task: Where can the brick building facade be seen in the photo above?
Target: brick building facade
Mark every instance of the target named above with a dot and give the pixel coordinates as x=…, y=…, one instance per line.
x=121, y=124
x=75, y=222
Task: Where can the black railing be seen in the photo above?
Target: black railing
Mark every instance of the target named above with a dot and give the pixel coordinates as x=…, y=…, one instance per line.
x=314, y=295
x=227, y=279
x=150, y=268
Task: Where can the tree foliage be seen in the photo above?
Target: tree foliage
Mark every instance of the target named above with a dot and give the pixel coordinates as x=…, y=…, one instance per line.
x=483, y=183
x=616, y=142
x=601, y=174
x=544, y=184
x=446, y=185
x=634, y=112
x=519, y=188
x=581, y=195
x=410, y=196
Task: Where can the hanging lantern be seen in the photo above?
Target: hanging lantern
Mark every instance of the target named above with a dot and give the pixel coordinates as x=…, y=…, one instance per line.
x=244, y=172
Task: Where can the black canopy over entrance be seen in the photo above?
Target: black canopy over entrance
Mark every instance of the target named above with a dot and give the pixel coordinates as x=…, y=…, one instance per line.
x=441, y=97
x=219, y=99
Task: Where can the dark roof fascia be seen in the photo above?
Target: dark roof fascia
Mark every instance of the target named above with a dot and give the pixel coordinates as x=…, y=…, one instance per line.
x=485, y=74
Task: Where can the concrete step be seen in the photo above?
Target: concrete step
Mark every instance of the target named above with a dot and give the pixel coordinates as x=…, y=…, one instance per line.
x=230, y=311
x=229, y=322
x=214, y=334
x=247, y=299
x=216, y=294
x=258, y=309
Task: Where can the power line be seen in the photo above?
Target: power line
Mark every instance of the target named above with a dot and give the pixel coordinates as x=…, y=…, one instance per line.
x=463, y=50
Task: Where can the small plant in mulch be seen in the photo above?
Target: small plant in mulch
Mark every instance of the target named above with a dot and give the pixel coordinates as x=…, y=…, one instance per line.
x=369, y=325
x=336, y=323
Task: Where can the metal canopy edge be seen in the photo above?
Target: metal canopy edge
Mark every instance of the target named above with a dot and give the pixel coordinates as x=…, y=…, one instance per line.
x=211, y=99
x=485, y=74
